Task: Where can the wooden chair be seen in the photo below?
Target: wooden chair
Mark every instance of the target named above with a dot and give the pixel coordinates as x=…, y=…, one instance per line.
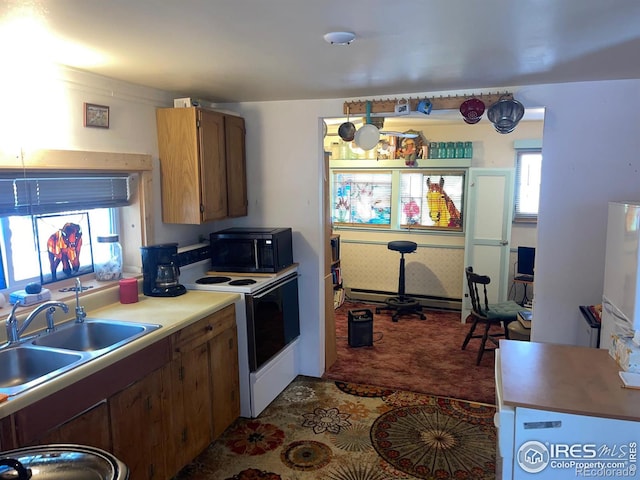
x=500, y=314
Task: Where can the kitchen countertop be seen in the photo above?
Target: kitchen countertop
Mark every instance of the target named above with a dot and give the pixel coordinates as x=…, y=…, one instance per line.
x=563, y=378
x=173, y=313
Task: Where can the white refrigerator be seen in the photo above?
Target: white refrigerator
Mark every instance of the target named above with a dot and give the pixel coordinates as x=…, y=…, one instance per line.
x=621, y=299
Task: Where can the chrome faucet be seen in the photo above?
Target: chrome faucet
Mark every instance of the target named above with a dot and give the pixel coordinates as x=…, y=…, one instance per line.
x=80, y=313
x=14, y=332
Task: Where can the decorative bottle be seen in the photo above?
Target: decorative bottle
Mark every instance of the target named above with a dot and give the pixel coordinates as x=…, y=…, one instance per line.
x=108, y=258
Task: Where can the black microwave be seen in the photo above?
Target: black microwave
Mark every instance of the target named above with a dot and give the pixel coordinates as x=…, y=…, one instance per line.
x=251, y=250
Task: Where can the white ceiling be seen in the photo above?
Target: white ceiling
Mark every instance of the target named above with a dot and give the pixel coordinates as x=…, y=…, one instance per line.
x=257, y=50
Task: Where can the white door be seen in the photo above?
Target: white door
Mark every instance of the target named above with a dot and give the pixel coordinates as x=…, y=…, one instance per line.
x=489, y=213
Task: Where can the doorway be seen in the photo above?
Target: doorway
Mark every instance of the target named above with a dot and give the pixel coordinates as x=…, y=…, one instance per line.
x=491, y=150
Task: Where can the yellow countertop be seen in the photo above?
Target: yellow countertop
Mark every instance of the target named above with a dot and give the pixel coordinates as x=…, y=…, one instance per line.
x=172, y=313
x=564, y=378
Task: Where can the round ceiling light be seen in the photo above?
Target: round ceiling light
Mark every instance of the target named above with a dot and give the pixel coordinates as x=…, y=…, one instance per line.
x=339, y=38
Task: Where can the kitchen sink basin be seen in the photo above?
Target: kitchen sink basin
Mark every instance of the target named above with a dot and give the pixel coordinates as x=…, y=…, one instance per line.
x=70, y=345
x=24, y=367
x=94, y=335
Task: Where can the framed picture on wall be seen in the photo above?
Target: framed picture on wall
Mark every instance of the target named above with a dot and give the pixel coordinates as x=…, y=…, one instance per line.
x=96, y=115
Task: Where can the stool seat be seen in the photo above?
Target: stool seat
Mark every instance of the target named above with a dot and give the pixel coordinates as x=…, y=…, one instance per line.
x=402, y=304
x=402, y=246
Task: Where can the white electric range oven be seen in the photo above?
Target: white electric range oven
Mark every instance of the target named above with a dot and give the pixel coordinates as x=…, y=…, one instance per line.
x=267, y=320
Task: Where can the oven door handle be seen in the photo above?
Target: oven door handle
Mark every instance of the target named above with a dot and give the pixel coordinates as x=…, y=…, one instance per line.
x=255, y=254
x=280, y=283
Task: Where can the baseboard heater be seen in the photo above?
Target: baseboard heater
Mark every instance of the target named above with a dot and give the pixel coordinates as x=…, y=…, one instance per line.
x=427, y=301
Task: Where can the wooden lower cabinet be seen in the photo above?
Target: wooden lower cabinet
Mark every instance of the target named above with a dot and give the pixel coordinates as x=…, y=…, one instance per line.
x=224, y=379
x=187, y=399
x=88, y=428
x=201, y=390
x=155, y=410
x=137, y=429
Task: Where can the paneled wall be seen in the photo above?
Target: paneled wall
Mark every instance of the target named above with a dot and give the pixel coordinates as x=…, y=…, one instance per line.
x=431, y=271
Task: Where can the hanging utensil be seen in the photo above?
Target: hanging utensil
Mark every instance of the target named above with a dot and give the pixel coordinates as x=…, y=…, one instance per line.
x=347, y=130
x=368, y=135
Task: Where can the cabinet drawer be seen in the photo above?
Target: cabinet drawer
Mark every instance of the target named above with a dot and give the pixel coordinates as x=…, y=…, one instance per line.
x=203, y=330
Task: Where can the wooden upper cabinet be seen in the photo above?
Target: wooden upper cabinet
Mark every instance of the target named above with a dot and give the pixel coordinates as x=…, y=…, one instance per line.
x=236, y=167
x=202, y=165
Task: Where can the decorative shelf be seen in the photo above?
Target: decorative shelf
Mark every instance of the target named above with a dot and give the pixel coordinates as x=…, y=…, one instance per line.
x=439, y=103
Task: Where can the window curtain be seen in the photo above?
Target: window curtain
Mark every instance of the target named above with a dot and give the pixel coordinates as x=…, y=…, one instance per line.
x=31, y=194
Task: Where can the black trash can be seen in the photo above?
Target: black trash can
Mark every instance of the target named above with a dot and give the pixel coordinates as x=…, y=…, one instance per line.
x=360, y=324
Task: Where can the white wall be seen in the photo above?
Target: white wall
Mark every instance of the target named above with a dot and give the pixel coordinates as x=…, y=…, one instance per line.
x=591, y=156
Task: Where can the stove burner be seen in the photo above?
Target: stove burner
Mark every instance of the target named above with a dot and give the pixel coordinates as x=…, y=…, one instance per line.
x=212, y=280
x=243, y=281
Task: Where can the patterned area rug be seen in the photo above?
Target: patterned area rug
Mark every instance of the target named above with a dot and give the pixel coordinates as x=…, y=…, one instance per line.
x=320, y=429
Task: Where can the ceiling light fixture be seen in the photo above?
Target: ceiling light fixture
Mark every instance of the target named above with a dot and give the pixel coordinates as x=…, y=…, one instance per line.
x=339, y=38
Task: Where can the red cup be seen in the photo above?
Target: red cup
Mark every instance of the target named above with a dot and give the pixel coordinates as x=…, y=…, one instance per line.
x=128, y=290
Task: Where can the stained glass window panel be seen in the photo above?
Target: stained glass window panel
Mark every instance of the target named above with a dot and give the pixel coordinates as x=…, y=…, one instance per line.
x=362, y=198
x=431, y=199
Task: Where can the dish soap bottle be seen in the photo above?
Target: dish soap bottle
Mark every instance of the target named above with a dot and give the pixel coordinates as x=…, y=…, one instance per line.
x=108, y=258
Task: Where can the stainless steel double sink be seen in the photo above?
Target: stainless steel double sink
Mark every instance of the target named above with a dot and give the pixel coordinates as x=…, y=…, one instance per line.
x=36, y=360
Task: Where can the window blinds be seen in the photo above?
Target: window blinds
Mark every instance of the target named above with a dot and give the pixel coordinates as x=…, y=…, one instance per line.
x=30, y=194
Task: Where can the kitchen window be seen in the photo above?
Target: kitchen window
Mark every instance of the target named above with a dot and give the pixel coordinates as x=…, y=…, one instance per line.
x=106, y=208
x=24, y=256
x=528, y=174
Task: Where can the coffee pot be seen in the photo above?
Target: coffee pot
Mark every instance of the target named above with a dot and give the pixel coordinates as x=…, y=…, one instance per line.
x=160, y=271
x=167, y=275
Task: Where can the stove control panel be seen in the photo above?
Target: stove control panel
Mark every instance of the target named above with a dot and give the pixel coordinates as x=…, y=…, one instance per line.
x=193, y=254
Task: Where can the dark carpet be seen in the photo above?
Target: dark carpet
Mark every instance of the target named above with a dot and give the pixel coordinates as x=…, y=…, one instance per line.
x=415, y=355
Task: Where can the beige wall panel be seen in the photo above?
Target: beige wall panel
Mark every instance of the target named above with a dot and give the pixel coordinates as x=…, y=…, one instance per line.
x=432, y=271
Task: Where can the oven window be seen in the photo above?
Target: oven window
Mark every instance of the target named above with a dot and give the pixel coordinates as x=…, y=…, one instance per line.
x=274, y=322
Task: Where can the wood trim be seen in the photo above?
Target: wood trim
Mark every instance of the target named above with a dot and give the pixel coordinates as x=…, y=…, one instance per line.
x=78, y=160
x=146, y=211
x=359, y=107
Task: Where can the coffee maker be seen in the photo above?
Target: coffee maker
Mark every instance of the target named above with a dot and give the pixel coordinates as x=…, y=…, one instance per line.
x=160, y=271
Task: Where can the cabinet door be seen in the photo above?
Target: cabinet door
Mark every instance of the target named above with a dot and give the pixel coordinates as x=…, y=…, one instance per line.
x=178, y=147
x=137, y=428
x=223, y=358
x=213, y=180
x=188, y=407
x=236, y=166
x=89, y=428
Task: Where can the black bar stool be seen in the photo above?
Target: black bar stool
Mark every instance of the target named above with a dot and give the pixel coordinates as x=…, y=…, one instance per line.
x=402, y=304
